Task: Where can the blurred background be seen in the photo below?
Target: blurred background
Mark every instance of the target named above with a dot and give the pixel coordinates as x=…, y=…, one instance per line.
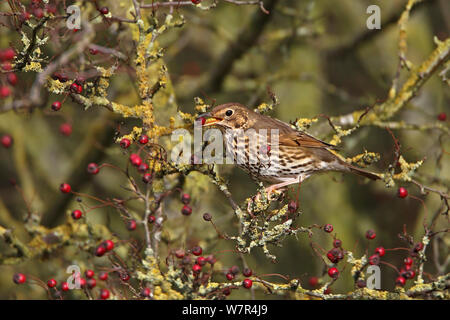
x=317, y=57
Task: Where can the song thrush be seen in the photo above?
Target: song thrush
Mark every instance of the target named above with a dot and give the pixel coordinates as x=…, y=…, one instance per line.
x=298, y=155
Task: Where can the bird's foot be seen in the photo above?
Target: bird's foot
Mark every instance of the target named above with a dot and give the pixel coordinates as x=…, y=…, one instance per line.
x=269, y=191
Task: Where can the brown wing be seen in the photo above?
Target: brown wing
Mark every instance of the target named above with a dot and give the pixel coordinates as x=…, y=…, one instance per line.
x=302, y=139
x=289, y=136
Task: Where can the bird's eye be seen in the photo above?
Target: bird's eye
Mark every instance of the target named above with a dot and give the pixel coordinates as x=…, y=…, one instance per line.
x=228, y=113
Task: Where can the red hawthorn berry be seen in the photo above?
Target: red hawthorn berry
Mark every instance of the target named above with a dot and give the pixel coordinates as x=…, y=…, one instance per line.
x=247, y=283
x=103, y=276
x=334, y=255
x=19, y=278
x=131, y=225
x=7, y=54
x=143, y=139
x=56, y=106
x=380, y=251
x=292, y=206
x=370, y=234
x=374, y=259
x=408, y=261
x=7, y=66
x=64, y=286
x=104, y=10
x=226, y=291
x=418, y=247
x=207, y=216
x=145, y=292
x=51, y=283
x=196, y=268
x=124, y=276
x=313, y=281
x=337, y=243
x=92, y=168
x=211, y=259
x=147, y=177
x=100, y=251
x=5, y=91
x=229, y=276
x=328, y=228
x=38, y=13
x=409, y=274
x=197, y=250
x=135, y=160
x=442, y=116
x=12, y=78
x=82, y=282
x=6, y=141
x=201, y=261
x=196, y=1
x=179, y=253
x=151, y=219
x=185, y=198
x=400, y=281
x=186, y=210
x=76, y=214
x=91, y=283
x=89, y=273
x=65, y=188
x=247, y=272
x=25, y=16
x=143, y=167
x=66, y=129
x=402, y=192
x=333, y=273
x=125, y=143
x=108, y=244
x=74, y=87
x=234, y=270
x=104, y=294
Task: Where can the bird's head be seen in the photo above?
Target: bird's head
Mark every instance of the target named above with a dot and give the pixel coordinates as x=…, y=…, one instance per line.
x=228, y=116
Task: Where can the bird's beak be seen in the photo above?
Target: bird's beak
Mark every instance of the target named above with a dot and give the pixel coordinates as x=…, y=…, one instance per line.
x=208, y=120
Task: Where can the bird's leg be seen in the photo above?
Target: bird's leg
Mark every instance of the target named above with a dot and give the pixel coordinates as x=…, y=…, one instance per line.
x=274, y=187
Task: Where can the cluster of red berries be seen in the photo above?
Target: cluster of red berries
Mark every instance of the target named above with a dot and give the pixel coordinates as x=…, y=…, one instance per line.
x=104, y=247
x=186, y=210
x=335, y=255
x=375, y=258
x=136, y=160
x=406, y=272
x=91, y=282
x=234, y=271
x=6, y=56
